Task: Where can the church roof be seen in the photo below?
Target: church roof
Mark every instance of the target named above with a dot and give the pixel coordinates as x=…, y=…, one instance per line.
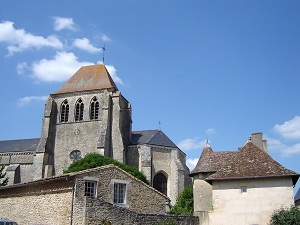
x=252, y=162
x=151, y=137
x=22, y=145
x=210, y=161
x=87, y=78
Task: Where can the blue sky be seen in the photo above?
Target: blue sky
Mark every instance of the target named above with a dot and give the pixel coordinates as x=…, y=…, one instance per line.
x=217, y=70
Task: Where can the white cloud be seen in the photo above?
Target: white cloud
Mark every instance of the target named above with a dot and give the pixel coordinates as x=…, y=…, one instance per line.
x=191, y=163
x=210, y=131
x=191, y=143
x=113, y=73
x=21, y=67
x=105, y=38
x=59, y=69
x=19, y=40
x=84, y=44
x=289, y=129
x=292, y=150
x=61, y=23
x=27, y=100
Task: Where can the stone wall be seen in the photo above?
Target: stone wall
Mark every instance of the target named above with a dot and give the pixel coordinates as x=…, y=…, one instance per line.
x=42, y=203
x=99, y=211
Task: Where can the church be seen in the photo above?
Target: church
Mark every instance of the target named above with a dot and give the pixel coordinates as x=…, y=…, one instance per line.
x=89, y=114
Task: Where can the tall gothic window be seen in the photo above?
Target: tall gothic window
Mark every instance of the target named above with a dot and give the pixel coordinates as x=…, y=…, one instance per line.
x=160, y=183
x=64, y=116
x=94, y=114
x=79, y=110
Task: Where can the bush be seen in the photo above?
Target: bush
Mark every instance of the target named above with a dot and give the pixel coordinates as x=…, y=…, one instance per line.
x=286, y=216
x=93, y=160
x=185, y=203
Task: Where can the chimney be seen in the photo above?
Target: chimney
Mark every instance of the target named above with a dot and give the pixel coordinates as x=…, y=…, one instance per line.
x=259, y=142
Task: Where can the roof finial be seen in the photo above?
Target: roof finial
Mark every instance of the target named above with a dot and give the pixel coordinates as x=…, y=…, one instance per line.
x=207, y=143
x=103, y=50
x=159, y=123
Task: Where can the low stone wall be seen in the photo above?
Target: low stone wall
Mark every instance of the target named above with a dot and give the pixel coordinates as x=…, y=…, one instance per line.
x=97, y=212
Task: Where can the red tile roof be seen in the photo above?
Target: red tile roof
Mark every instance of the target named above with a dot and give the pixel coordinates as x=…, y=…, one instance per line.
x=252, y=162
x=94, y=77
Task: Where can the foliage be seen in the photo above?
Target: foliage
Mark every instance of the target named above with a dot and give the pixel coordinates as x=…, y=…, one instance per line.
x=185, y=203
x=93, y=160
x=3, y=175
x=286, y=216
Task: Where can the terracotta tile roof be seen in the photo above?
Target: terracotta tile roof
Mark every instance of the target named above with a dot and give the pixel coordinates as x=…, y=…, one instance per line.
x=210, y=161
x=252, y=162
x=94, y=77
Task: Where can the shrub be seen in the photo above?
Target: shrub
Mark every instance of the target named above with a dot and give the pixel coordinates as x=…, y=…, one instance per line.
x=286, y=216
x=93, y=160
x=185, y=203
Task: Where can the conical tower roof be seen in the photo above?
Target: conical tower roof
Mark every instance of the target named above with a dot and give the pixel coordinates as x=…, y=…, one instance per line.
x=87, y=78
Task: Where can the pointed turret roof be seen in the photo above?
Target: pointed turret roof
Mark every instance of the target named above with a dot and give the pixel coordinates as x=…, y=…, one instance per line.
x=87, y=78
x=211, y=161
x=252, y=162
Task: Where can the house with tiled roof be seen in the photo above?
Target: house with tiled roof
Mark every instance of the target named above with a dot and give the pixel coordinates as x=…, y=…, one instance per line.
x=89, y=114
x=241, y=187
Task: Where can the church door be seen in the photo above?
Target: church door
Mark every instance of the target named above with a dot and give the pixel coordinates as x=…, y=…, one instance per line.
x=160, y=183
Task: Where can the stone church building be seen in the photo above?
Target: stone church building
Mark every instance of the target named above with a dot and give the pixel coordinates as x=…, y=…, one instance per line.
x=89, y=114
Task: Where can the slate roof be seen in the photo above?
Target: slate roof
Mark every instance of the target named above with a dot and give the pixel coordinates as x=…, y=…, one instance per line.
x=151, y=137
x=252, y=162
x=210, y=161
x=87, y=78
x=22, y=145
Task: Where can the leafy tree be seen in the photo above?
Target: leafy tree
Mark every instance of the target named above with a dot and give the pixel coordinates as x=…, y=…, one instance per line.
x=185, y=203
x=286, y=216
x=3, y=175
x=93, y=160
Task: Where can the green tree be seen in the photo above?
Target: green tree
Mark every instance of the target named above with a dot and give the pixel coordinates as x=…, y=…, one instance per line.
x=185, y=203
x=286, y=216
x=93, y=160
x=2, y=175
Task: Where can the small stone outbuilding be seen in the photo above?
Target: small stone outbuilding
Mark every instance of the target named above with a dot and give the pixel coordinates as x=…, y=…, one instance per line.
x=86, y=197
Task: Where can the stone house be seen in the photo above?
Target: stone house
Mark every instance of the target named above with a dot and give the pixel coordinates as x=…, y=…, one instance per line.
x=89, y=114
x=81, y=198
x=241, y=187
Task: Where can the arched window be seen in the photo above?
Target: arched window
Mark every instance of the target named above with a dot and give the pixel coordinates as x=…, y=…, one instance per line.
x=75, y=155
x=94, y=114
x=64, y=116
x=79, y=110
x=160, y=183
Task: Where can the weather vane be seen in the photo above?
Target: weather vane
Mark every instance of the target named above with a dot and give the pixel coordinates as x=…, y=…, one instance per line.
x=103, y=50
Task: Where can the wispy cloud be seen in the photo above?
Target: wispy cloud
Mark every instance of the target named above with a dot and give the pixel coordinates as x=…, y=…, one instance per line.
x=284, y=149
x=191, y=143
x=105, y=38
x=19, y=40
x=63, y=23
x=210, y=131
x=191, y=163
x=85, y=45
x=289, y=129
x=29, y=99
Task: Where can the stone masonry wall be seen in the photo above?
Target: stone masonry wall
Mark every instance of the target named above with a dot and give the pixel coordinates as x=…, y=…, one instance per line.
x=38, y=204
x=98, y=211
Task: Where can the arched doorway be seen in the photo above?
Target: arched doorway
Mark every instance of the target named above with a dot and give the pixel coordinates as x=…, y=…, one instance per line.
x=160, y=183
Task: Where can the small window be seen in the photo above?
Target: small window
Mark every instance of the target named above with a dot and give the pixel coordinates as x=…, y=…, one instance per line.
x=243, y=189
x=119, y=193
x=90, y=189
x=94, y=114
x=64, y=116
x=79, y=106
